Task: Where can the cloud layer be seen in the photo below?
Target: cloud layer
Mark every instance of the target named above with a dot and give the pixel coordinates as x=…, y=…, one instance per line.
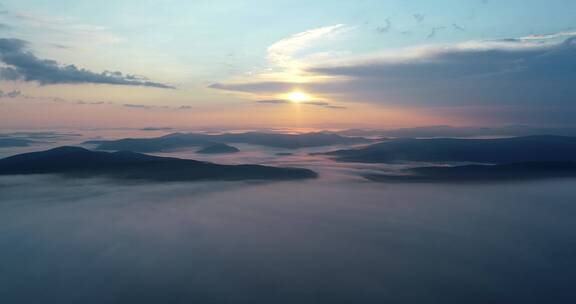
x=509, y=79
x=513, y=73
x=20, y=64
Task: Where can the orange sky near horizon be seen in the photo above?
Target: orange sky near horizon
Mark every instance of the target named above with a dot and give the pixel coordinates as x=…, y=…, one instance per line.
x=26, y=114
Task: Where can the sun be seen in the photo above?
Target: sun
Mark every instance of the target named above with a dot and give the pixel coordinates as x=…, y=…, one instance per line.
x=297, y=97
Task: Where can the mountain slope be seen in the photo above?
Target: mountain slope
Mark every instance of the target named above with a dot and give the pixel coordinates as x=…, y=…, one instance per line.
x=185, y=140
x=502, y=150
x=479, y=173
x=218, y=149
x=129, y=165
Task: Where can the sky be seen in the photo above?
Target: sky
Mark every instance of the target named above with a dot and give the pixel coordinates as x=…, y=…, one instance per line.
x=318, y=64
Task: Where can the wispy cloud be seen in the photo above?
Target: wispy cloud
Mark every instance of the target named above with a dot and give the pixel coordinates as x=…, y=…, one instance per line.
x=288, y=62
x=549, y=36
x=385, y=28
x=322, y=104
x=63, y=29
x=138, y=106
x=282, y=53
x=434, y=31
x=419, y=17
x=457, y=27
x=154, y=107
x=11, y=94
x=273, y=101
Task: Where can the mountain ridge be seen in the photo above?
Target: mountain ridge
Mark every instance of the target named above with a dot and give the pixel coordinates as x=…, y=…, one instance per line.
x=482, y=173
x=82, y=162
x=185, y=140
x=498, y=151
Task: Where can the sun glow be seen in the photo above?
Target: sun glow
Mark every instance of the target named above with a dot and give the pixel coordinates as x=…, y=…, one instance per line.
x=298, y=97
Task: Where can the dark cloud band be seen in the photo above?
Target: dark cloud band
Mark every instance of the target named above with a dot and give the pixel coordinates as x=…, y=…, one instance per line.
x=20, y=64
x=514, y=78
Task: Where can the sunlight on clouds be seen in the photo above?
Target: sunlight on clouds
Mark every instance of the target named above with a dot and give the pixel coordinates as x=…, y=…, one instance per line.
x=288, y=62
x=283, y=53
x=289, y=58
x=298, y=97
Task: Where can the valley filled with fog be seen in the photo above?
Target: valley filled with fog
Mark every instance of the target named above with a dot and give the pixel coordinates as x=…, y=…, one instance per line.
x=339, y=238
x=287, y=152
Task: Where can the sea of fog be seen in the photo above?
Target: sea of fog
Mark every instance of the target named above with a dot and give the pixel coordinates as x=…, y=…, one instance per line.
x=338, y=239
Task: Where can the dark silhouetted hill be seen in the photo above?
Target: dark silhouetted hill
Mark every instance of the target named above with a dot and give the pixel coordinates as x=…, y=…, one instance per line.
x=451, y=131
x=218, y=149
x=130, y=165
x=479, y=173
x=497, y=151
x=186, y=140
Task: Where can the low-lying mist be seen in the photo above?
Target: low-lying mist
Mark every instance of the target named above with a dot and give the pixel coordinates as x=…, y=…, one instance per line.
x=324, y=241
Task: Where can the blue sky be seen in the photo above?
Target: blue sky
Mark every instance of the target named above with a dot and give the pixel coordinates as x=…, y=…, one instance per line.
x=198, y=37
x=193, y=44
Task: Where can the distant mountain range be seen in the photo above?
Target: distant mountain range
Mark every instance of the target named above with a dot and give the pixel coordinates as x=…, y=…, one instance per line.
x=185, y=140
x=80, y=162
x=450, y=131
x=495, y=151
x=483, y=173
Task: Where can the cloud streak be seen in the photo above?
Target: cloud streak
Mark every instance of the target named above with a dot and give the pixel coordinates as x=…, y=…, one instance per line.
x=273, y=101
x=281, y=54
x=20, y=64
x=11, y=94
x=322, y=104
x=151, y=107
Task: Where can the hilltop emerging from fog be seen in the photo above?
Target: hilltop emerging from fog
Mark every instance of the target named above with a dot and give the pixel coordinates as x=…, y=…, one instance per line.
x=186, y=140
x=500, y=150
x=79, y=162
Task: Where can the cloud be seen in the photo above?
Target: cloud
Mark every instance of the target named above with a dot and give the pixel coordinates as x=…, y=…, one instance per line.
x=419, y=17
x=322, y=104
x=457, y=27
x=513, y=73
x=62, y=29
x=435, y=31
x=22, y=65
x=259, y=87
x=152, y=107
x=281, y=54
x=157, y=129
x=137, y=106
x=82, y=102
x=384, y=29
x=60, y=46
x=273, y=101
x=549, y=36
x=288, y=59
x=11, y=94
x=509, y=81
